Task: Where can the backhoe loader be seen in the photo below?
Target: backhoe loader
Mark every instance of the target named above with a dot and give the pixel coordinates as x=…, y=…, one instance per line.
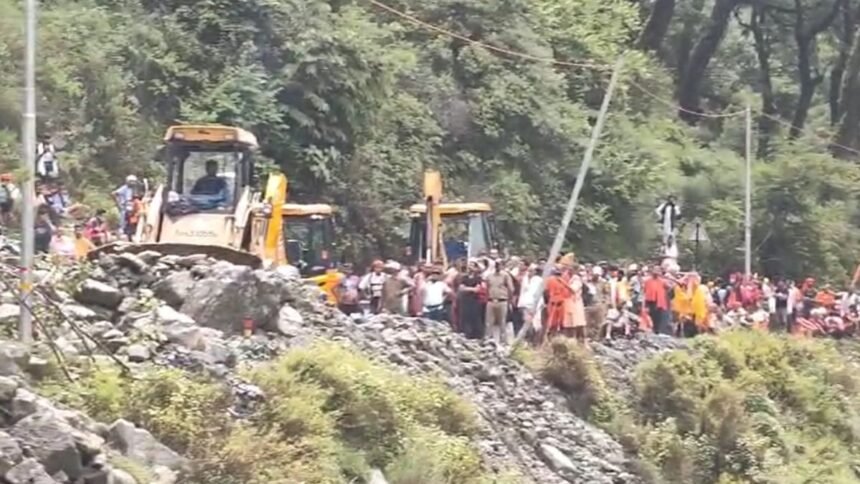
x=210, y=203
x=443, y=232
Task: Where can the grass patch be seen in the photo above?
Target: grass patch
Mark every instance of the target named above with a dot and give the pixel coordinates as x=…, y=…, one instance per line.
x=330, y=416
x=743, y=406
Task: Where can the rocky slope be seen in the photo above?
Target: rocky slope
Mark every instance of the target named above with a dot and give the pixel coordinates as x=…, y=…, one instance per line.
x=190, y=311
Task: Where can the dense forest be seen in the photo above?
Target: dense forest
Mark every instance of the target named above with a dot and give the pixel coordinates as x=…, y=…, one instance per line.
x=355, y=100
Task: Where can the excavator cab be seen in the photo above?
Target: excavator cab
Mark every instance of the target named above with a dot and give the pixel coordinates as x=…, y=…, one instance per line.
x=467, y=230
x=209, y=181
x=209, y=203
x=309, y=237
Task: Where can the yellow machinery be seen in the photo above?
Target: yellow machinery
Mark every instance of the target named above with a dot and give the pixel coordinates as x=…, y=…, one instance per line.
x=210, y=203
x=309, y=236
x=443, y=232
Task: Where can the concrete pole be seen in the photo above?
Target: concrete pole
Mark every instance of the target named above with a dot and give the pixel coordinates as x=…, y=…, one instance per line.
x=748, y=198
x=25, y=324
x=583, y=170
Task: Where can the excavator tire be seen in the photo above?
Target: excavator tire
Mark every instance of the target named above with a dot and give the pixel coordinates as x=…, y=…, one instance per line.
x=232, y=256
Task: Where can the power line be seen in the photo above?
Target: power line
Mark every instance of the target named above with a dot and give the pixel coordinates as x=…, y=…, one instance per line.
x=604, y=68
x=807, y=131
x=683, y=109
x=490, y=47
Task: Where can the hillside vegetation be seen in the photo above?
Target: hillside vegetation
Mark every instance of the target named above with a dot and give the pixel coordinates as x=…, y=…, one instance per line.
x=355, y=101
x=742, y=407
x=330, y=416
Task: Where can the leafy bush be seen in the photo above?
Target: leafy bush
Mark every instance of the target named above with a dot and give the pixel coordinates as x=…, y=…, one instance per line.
x=570, y=367
x=335, y=395
x=749, y=407
x=330, y=415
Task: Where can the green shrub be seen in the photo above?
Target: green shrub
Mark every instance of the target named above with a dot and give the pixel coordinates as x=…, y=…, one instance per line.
x=570, y=367
x=140, y=473
x=329, y=416
x=749, y=407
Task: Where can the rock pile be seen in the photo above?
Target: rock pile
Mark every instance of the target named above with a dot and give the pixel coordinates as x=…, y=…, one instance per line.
x=43, y=444
x=525, y=421
x=619, y=358
x=190, y=312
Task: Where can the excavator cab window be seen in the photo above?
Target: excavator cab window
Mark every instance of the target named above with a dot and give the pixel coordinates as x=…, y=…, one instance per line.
x=466, y=235
x=309, y=243
x=204, y=178
x=417, y=239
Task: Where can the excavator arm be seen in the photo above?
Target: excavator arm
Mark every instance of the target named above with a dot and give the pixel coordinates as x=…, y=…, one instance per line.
x=274, y=198
x=432, y=199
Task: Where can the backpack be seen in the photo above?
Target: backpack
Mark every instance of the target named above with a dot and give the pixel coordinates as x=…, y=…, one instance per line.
x=5, y=195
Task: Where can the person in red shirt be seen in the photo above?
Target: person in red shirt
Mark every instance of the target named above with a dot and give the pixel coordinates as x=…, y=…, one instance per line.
x=657, y=301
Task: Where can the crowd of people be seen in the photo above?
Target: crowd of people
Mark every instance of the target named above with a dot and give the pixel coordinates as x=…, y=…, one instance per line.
x=508, y=300
x=65, y=229
x=70, y=231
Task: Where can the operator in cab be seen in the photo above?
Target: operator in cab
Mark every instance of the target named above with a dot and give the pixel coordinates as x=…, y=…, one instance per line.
x=210, y=184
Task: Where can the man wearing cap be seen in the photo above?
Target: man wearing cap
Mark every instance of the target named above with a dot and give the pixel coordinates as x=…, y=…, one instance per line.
x=123, y=197
x=395, y=286
x=500, y=288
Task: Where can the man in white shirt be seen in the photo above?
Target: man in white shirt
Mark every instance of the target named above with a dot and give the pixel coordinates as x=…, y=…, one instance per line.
x=433, y=294
x=371, y=284
x=46, y=159
x=123, y=197
x=531, y=296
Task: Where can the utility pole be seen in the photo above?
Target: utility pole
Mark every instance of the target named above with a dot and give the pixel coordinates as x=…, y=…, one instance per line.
x=583, y=170
x=748, y=199
x=28, y=137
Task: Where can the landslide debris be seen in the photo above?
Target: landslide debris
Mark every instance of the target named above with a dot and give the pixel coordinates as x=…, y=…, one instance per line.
x=188, y=312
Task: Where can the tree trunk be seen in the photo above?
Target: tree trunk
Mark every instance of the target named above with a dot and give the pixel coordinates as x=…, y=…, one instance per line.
x=703, y=52
x=805, y=37
x=850, y=104
x=657, y=25
x=684, y=43
x=846, y=40
x=808, y=83
x=768, y=103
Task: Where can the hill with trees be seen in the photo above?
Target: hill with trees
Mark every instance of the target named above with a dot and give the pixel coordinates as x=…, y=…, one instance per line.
x=355, y=100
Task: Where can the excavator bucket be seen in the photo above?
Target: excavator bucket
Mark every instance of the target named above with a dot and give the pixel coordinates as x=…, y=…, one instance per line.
x=233, y=256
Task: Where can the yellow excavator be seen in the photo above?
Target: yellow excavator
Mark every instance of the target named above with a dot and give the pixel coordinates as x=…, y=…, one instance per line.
x=443, y=232
x=210, y=204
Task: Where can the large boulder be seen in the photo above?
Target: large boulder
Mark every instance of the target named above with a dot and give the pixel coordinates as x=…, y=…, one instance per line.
x=290, y=321
x=8, y=387
x=187, y=335
x=26, y=403
x=232, y=293
x=174, y=288
x=14, y=357
x=140, y=445
x=99, y=294
x=119, y=476
x=9, y=313
x=50, y=440
x=10, y=453
x=29, y=471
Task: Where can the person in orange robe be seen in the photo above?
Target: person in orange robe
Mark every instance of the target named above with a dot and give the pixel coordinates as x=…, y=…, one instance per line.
x=559, y=294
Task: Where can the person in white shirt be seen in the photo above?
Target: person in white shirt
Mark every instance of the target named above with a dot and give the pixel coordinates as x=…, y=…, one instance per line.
x=434, y=292
x=531, y=297
x=371, y=284
x=46, y=159
x=668, y=213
